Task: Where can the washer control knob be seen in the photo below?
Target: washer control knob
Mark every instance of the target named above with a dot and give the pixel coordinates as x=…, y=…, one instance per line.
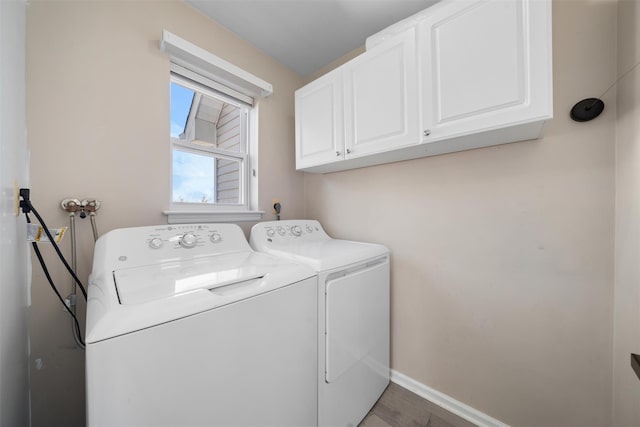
x=188, y=240
x=270, y=232
x=282, y=231
x=155, y=243
x=216, y=238
x=296, y=230
x=309, y=229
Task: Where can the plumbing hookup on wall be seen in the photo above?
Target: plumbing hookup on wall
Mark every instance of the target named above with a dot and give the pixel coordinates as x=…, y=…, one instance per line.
x=43, y=234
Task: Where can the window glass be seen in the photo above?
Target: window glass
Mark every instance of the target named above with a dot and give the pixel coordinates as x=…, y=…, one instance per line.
x=228, y=181
x=209, y=138
x=193, y=177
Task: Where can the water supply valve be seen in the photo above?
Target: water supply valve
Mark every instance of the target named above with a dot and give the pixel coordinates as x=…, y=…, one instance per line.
x=73, y=206
x=90, y=205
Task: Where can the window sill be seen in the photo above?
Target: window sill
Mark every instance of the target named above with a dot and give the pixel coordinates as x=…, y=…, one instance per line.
x=192, y=217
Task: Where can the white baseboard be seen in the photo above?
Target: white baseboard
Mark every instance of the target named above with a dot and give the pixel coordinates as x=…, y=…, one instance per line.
x=447, y=402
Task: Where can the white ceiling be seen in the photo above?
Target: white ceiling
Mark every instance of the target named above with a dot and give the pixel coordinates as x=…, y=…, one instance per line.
x=306, y=35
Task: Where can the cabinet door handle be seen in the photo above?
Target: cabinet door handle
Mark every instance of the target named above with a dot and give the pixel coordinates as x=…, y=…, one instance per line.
x=338, y=153
x=348, y=151
x=427, y=132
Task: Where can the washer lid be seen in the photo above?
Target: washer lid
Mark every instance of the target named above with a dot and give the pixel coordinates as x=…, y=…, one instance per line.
x=143, y=284
x=137, y=298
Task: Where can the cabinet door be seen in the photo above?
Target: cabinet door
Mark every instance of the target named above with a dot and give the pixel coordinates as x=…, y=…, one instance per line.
x=319, y=121
x=381, y=97
x=485, y=64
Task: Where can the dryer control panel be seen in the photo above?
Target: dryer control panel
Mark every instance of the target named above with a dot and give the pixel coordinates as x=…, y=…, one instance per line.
x=283, y=231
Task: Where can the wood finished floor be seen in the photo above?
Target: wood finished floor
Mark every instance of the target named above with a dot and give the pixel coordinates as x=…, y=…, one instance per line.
x=398, y=407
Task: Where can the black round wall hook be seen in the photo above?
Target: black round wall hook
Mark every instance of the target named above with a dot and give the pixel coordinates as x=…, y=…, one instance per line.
x=587, y=109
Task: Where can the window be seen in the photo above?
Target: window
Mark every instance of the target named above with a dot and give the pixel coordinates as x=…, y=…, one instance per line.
x=209, y=147
x=213, y=134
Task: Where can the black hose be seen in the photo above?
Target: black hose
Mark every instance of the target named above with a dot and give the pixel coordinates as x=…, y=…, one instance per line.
x=50, y=280
x=55, y=246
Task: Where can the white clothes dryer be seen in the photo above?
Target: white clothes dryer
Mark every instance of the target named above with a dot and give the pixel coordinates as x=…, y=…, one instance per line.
x=353, y=314
x=188, y=326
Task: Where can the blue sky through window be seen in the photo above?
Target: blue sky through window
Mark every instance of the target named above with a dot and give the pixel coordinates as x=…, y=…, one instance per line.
x=193, y=180
x=181, y=98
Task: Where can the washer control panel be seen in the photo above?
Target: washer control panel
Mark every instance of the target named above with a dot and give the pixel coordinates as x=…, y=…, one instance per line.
x=147, y=245
x=185, y=236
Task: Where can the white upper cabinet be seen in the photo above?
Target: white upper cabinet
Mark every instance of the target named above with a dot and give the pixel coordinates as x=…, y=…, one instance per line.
x=381, y=97
x=485, y=64
x=319, y=121
x=461, y=74
x=367, y=106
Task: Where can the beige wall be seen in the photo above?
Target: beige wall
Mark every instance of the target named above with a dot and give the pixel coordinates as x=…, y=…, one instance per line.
x=98, y=126
x=502, y=258
x=627, y=290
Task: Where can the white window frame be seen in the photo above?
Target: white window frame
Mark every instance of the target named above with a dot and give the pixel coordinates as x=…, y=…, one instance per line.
x=204, y=72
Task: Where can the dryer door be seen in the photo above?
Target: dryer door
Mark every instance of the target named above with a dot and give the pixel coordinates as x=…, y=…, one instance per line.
x=357, y=319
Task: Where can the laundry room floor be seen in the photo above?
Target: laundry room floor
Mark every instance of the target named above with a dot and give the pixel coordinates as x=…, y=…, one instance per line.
x=398, y=407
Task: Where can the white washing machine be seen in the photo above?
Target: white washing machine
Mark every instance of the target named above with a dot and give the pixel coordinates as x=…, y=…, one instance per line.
x=353, y=314
x=188, y=326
